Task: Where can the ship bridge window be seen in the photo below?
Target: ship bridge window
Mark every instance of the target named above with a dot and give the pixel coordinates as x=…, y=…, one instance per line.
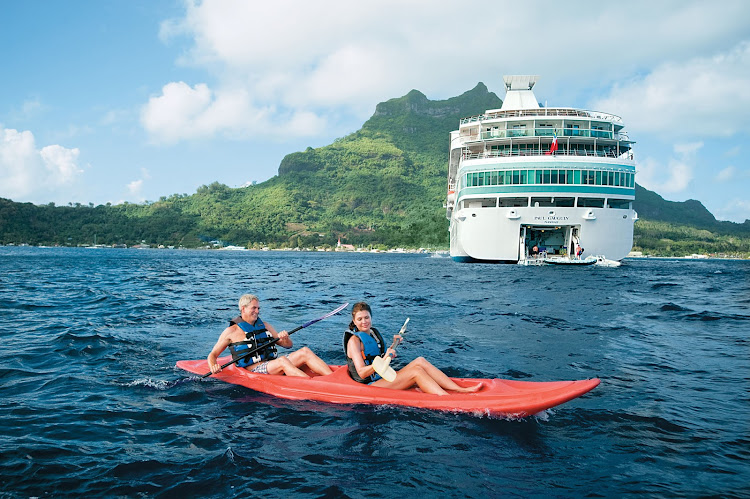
x=479, y=203
x=513, y=202
x=482, y=203
x=619, y=204
x=591, y=202
x=563, y=202
x=541, y=201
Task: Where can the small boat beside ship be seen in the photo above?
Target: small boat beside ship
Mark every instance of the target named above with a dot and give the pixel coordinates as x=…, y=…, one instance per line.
x=544, y=259
x=570, y=261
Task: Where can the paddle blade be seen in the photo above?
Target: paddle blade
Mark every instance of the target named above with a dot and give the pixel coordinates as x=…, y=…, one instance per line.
x=403, y=328
x=383, y=368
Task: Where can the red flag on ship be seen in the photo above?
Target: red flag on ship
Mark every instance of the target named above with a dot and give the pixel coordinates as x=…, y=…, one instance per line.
x=553, y=146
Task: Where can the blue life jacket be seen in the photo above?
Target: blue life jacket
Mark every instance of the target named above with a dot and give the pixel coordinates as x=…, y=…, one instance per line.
x=373, y=347
x=257, y=335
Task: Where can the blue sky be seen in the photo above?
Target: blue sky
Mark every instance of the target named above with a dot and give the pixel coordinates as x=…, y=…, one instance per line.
x=134, y=100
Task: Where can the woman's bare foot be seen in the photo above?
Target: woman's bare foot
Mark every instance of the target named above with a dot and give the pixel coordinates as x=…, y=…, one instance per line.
x=470, y=389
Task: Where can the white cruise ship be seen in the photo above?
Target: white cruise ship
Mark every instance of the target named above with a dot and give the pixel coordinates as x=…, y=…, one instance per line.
x=528, y=183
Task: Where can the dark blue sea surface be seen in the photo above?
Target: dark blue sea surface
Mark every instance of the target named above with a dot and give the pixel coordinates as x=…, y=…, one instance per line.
x=89, y=405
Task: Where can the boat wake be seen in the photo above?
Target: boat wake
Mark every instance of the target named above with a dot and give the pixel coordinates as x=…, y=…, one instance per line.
x=155, y=383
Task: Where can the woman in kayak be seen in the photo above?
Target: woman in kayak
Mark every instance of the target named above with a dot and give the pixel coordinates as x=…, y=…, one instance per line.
x=363, y=343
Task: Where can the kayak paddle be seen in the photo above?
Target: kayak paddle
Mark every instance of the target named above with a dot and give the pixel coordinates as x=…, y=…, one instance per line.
x=382, y=365
x=275, y=340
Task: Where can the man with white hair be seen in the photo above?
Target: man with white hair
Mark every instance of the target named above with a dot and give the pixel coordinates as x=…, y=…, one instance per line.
x=248, y=332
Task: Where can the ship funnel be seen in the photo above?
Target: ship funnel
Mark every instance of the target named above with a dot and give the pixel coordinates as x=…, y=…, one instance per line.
x=520, y=82
x=518, y=92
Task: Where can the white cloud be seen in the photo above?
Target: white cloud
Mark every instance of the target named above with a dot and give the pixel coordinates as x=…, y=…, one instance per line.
x=305, y=123
x=347, y=75
x=726, y=174
x=735, y=210
x=672, y=178
x=275, y=67
x=31, y=107
x=183, y=112
x=114, y=117
x=27, y=173
x=60, y=163
x=335, y=60
x=687, y=150
x=172, y=115
x=732, y=152
x=698, y=97
x=135, y=187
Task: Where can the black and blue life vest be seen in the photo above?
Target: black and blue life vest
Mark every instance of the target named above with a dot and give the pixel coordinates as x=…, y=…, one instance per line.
x=373, y=347
x=257, y=335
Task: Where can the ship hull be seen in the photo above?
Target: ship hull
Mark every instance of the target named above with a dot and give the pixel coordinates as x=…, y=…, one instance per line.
x=508, y=235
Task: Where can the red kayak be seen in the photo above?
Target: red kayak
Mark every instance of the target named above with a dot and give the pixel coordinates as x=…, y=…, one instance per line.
x=497, y=397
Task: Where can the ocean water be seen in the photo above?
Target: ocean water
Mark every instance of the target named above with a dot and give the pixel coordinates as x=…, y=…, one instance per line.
x=89, y=403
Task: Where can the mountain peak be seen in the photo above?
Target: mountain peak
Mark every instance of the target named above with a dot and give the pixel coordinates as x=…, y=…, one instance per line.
x=652, y=206
x=476, y=100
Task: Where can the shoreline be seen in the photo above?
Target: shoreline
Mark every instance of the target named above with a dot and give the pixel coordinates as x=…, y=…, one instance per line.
x=412, y=251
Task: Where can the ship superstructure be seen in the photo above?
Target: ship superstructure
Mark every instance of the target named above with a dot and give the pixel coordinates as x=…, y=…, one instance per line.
x=527, y=182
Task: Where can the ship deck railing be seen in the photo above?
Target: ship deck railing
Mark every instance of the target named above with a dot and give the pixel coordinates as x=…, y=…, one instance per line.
x=543, y=112
x=559, y=152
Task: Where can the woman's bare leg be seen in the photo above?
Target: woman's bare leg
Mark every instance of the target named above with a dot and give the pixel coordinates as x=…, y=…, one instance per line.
x=412, y=375
x=441, y=378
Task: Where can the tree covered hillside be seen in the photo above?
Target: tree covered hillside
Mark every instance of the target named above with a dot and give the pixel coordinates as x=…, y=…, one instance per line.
x=384, y=184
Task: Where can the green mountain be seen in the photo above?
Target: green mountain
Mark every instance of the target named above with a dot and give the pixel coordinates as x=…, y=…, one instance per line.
x=383, y=185
x=652, y=206
x=670, y=228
